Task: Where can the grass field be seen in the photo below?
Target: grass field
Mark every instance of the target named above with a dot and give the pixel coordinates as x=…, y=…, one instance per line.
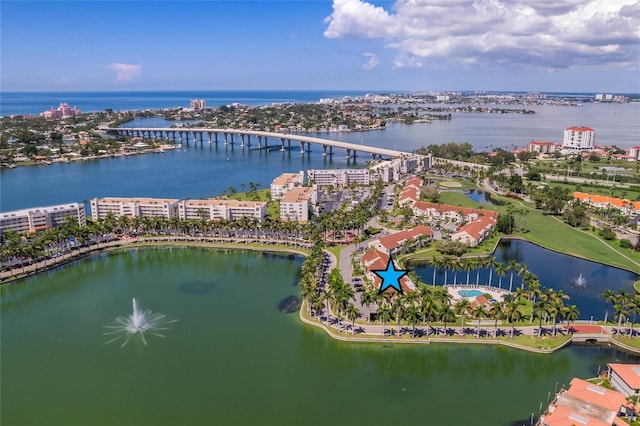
x=552, y=233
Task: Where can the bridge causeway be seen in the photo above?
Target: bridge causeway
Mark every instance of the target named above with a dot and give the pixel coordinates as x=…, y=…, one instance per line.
x=230, y=136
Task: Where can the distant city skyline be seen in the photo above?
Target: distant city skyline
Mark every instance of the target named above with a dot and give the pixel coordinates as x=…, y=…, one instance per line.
x=404, y=45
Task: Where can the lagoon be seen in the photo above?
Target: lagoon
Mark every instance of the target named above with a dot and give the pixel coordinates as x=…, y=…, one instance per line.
x=554, y=270
x=233, y=358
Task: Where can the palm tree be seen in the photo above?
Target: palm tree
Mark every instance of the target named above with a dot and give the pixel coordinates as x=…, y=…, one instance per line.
x=462, y=307
x=479, y=264
x=447, y=315
x=491, y=263
x=522, y=269
x=412, y=314
x=540, y=311
x=479, y=312
x=620, y=308
x=571, y=313
x=456, y=266
x=445, y=264
x=468, y=264
x=366, y=299
x=384, y=313
x=512, y=266
x=397, y=307
x=435, y=263
x=352, y=313
x=501, y=270
x=497, y=312
x=609, y=297
x=513, y=314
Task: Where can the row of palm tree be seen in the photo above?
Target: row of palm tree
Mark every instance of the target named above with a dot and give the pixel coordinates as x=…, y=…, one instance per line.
x=17, y=249
x=469, y=264
x=625, y=305
x=431, y=304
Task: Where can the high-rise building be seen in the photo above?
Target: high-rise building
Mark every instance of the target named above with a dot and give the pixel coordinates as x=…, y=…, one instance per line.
x=579, y=139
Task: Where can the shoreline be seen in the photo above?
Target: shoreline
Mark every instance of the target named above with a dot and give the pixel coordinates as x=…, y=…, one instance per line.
x=34, y=270
x=345, y=337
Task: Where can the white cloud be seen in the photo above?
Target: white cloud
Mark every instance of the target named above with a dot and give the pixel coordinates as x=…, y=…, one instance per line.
x=517, y=33
x=125, y=72
x=404, y=60
x=373, y=62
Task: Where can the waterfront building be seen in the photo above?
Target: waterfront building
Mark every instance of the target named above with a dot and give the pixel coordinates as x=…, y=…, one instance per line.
x=634, y=153
x=625, y=378
x=296, y=203
x=475, y=232
x=38, y=218
x=541, y=147
x=133, y=207
x=451, y=213
x=626, y=207
x=285, y=183
x=197, y=104
x=375, y=260
x=214, y=209
x=402, y=240
x=585, y=403
x=339, y=177
x=62, y=111
x=387, y=171
x=578, y=139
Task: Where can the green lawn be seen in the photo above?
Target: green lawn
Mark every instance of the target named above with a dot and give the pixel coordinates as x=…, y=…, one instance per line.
x=552, y=233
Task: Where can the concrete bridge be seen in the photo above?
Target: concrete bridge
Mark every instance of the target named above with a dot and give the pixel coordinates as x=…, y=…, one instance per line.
x=231, y=136
x=591, y=337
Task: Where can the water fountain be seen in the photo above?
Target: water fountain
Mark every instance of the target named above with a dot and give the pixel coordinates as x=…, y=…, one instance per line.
x=580, y=282
x=137, y=324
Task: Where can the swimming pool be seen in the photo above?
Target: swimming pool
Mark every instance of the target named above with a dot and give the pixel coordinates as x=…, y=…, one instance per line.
x=470, y=293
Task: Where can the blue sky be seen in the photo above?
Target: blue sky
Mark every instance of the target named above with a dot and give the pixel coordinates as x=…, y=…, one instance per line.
x=412, y=45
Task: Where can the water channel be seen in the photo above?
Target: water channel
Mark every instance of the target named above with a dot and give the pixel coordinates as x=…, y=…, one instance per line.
x=233, y=358
x=554, y=270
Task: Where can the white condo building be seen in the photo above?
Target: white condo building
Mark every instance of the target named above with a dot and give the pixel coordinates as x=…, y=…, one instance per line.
x=579, y=139
x=296, y=203
x=221, y=209
x=284, y=183
x=339, y=177
x=133, y=207
x=37, y=218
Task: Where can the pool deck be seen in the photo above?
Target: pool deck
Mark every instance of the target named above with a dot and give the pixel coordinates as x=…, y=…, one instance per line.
x=495, y=292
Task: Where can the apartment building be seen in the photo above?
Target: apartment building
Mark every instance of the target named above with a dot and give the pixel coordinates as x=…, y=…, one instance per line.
x=134, y=207
x=37, y=218
x=296, y=203
x=339, y=177
x=214, y=209
x=284, y=183
x=579, y=139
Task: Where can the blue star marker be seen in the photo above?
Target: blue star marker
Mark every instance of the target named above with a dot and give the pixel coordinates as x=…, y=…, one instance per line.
x=390, y=277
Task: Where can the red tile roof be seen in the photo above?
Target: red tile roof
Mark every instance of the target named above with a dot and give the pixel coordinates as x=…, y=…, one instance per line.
x=374, y=260
x=630, y=373
x=396, y=239
x=580, y=129
x=597, y=395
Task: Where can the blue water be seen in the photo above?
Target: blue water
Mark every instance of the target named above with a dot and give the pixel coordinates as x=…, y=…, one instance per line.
x=615, y=124
x=479, y=196
x=470, y=293
x=554, y=270
x=36, y=102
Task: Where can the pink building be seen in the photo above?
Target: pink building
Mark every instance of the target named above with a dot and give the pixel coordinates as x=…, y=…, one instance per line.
x=62, y=111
